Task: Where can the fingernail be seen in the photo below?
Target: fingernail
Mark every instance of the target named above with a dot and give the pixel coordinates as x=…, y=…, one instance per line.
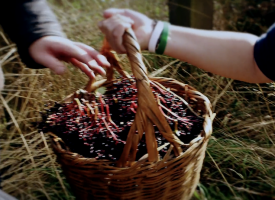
x=107, y=64
x=102, y=72
x=94, y=65
x=92, y=75
x=104, y=61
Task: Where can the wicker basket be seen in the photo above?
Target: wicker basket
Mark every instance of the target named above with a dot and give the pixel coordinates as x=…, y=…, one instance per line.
x=173, y=177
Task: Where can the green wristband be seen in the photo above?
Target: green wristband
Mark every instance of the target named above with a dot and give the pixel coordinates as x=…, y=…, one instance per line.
x=163, y=39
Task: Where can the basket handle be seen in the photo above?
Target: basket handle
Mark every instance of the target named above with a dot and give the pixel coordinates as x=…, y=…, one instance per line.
x=148, y=112
x=113, y=59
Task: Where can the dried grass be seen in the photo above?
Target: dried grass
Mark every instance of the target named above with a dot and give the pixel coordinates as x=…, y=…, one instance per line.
x=240, y=164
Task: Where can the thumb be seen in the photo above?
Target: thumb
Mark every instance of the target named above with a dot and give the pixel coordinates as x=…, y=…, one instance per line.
x=53, y=64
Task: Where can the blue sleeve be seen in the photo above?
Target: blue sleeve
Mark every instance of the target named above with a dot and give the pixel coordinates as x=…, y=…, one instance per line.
x=264, y=53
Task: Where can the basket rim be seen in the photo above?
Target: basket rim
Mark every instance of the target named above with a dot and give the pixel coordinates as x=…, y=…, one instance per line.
x=143, y=161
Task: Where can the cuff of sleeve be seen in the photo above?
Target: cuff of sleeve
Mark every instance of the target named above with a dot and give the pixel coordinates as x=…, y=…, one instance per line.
x=264, y=58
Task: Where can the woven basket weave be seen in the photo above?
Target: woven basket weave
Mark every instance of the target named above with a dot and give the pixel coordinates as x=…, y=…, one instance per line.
x=174, y=177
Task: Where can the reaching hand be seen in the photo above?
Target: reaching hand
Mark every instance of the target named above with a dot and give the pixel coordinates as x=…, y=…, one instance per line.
x=118, y=20
x=49, y=51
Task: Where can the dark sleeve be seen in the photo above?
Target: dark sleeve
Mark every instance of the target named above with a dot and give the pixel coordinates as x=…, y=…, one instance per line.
x=264, y=53
x=25, y=21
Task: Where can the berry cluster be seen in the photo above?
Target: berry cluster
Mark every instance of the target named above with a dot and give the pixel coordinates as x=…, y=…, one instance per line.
x=96, y=125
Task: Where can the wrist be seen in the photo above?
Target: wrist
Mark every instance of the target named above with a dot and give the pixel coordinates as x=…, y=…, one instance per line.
x=150, y=29
x=159, y=38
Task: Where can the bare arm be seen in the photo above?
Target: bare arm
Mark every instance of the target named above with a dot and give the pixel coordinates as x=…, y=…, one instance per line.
x=229, y=54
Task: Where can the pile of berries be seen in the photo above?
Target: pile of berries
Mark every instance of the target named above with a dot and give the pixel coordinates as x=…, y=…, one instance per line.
x=97, y=125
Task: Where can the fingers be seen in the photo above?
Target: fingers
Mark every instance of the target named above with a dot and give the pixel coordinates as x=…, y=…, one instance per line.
x=118, y=37
x=114, y=20
x=100, y=59
x=74, y=51
x=114, y=29
x=141, y=24
x=137, y=17
x=49, y=50
x=83, y=68
x=53, y=63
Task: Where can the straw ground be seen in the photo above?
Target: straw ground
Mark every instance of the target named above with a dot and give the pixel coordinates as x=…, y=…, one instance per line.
x=240, y=158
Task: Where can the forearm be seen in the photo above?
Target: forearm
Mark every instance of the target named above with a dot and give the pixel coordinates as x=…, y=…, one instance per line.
x=228, y=54
x=25, y=21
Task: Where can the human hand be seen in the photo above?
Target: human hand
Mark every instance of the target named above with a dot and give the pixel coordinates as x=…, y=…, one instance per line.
x=49, y=51
x=118, y=20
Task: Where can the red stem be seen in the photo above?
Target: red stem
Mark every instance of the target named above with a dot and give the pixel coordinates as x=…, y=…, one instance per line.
x=112, y=133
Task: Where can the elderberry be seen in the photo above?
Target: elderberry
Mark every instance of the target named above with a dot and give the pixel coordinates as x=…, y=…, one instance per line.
x=102, y=132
